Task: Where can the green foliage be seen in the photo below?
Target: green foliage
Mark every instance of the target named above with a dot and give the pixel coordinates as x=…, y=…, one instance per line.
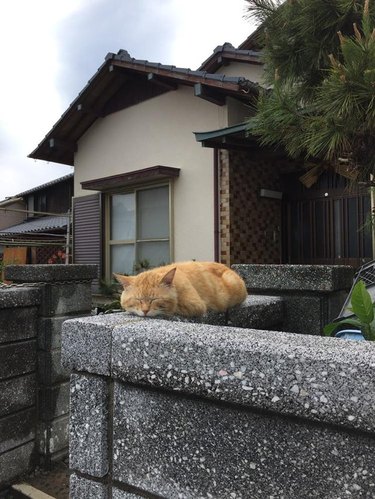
x=363, y=310
x=111, y=290
x=142, y=265
x=108, y=288
x=320, y=59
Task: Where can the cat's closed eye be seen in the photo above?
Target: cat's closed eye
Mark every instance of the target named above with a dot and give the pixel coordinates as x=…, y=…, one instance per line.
x=161, y=305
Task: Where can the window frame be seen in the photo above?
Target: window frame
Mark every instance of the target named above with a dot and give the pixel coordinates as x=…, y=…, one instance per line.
x=113, y=242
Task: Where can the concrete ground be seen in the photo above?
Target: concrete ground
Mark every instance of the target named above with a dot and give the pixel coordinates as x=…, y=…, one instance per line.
x=43, y=484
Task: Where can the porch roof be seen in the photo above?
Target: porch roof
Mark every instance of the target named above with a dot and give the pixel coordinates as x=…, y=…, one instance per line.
x=135, y=80
x=231, y=137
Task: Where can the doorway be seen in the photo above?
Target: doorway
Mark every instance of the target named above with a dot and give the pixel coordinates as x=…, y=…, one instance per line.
x=327, y=223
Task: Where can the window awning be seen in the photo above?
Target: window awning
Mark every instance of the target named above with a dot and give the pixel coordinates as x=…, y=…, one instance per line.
x=114, y=182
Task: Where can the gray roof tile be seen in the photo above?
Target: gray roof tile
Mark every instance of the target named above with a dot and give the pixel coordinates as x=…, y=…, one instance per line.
x=123, y=55
x=41, y=224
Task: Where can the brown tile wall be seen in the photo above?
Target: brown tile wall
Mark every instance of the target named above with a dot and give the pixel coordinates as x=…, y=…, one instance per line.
x=224, y=213
x=250, y=225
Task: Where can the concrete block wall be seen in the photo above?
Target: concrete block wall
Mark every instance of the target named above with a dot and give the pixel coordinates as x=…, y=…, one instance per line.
x=312, y=294
x=180, y=410
x=34, y=387
x=18, y=380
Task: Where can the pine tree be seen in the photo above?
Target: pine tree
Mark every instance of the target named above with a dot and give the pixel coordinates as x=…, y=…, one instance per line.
x=320, y=73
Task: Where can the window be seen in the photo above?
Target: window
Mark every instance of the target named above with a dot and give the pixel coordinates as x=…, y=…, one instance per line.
x=36, y=203
x=138, y=229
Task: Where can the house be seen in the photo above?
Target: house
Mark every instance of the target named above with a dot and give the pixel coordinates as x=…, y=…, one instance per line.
x=146, y=191
x=35, y=224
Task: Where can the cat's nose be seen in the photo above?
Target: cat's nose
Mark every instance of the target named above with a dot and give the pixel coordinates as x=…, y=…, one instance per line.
x=145, y=312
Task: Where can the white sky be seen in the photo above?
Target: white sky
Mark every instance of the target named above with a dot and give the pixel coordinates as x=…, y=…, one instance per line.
x=49, y=49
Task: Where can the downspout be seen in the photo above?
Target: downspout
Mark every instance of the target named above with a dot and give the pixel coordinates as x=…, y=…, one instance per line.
x=372, y=208
x=216, y=206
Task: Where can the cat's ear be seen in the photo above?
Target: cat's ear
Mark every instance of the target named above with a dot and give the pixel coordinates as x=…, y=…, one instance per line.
x=168, y=278
x=124, y=280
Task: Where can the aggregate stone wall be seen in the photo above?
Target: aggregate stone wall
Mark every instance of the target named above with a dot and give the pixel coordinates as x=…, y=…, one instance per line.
x=181, y=410
x=312, y=294
x=34, y=387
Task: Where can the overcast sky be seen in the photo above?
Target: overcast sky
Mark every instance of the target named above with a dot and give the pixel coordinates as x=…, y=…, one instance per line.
x=49, y=49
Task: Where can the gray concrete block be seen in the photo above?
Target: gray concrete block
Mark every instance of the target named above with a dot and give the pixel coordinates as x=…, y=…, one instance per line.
x=54, y=401
x=123, y=494
x=305, y=314
x=86, y=343
x=66, y=298
x=17, y=394
x=178, y=447
x=19, y=324
x=50, y=273
x=89, y=425
x=82, y=488
x=322, y=278
x=49, y=331
x=323, y=379
x=53, y=436
x=17, y=429
x=17, y=358
x=309, y=313
x=50, y=368
x=19, y=297
x=258, y=312
x=16, y=462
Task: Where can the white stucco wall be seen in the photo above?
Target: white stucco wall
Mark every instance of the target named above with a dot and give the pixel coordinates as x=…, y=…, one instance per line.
x=160, y=132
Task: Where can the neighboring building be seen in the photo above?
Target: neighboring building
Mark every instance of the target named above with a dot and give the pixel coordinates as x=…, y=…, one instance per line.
x=11, y=211
x=145, y=189
x=35, y=224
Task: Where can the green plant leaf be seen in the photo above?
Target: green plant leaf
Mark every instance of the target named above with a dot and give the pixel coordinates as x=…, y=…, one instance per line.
x=362, y=304
x=330, y=328
x=371, y=332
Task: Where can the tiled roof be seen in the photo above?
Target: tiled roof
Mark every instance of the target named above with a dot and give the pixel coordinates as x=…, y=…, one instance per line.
x=253, y=40
x=41, y=224
x=228, y=51
x=17, y=197
x=59, y=145
x=123, y=55
x=47, y=184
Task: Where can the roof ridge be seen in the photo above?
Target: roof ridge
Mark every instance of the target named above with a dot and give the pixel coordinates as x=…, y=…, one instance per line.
x=123, y=55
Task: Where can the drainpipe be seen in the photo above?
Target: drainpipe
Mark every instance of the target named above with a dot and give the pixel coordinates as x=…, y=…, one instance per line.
x=372, y=208
x=216, y=206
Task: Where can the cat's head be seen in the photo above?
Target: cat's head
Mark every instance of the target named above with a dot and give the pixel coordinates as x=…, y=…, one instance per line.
x=149, y=294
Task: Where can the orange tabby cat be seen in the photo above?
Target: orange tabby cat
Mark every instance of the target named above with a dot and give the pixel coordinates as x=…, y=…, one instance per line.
x=187, y=288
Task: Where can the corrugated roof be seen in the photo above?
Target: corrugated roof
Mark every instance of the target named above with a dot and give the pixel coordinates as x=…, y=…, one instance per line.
x=41, y=224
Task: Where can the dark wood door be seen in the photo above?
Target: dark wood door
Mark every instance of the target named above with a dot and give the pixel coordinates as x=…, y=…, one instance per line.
x=329, y=223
